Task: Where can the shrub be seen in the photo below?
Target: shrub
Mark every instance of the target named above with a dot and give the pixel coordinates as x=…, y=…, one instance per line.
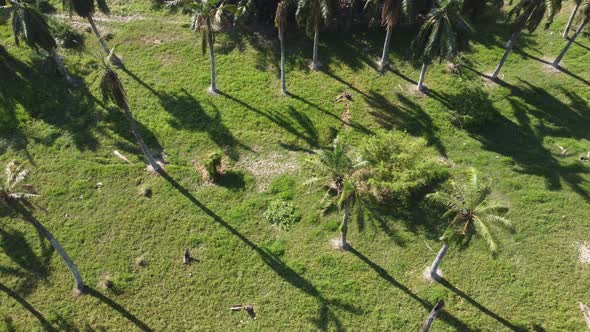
x=281, y=213
x=402, y=166
x=212, y=164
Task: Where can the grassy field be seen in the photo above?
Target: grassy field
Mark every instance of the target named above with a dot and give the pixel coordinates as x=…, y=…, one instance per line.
x=294, y=279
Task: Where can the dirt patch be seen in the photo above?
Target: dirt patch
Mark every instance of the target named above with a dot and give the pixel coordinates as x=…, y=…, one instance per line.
x=548, y=67
x=427, y=276
x=584, y=250
x=265, y=168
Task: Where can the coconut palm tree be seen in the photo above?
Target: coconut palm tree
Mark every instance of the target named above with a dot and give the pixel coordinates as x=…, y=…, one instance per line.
x=585, y=18
x=112, y=90
x=280, y=23
x=472, y=212
x=207, y=17
x=442, y=36
x=29, y=25
x=86, y=9
x=528, y=14
x=344, y=181
x=313, y=14
x=390, y=16
x=566, y=31
x=17, y=195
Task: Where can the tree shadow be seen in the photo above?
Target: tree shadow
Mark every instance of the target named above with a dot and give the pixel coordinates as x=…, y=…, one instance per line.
x=447, y=317
x=326, y=314
x=44, y=323
x=232, y=180
x=547, y=63
x=481, y=308
x=117, y=307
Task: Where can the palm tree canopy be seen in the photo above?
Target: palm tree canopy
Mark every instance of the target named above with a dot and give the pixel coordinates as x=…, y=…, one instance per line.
x=14, y=190
x=112, y=89
x=85, y=8
x=313, y=13
x=390, y=12
x=471, y=210
x=444, y=33
x=29, y=25
x=529, y=14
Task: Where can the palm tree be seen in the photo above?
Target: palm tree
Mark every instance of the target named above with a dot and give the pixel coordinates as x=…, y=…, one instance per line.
x=280, y=23
x=112, y=90
x=344, y=181
x=441, y=37
x=207, y=17
x=313, y=14
x=29, y=25
x=17, y=195
x=472, y=211
x=584, y=20
x=571, y=19
x=390, y=16
x=528, y=14
x=86, y=9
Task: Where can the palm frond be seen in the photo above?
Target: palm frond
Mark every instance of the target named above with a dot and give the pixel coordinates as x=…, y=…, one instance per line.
x=484, y=231
x=501, y=221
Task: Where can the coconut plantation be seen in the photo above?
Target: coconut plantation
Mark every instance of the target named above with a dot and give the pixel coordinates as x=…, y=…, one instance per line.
x=294, y=165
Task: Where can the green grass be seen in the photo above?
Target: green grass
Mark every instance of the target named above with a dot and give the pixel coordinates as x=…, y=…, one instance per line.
x=294, y=279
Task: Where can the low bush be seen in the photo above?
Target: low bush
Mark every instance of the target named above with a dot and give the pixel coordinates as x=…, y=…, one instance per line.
x=282, y=214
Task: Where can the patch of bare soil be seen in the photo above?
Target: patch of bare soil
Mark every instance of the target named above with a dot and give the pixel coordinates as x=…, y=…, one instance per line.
x=427, y=276
x=549, y=69
x=265, y=168
x=584, y=250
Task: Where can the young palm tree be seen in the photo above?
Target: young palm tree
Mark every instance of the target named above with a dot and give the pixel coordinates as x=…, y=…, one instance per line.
x=86, y=9
x=390, y=16
x=585, y=18
x=280, y=23
x=17, y=195
x=112, y=90
x=472, y=212
x=344, y=180
x=313, y=14
x=566, y=31
x=441, y=37
x=528, y=14
x=207, y=17
x=29, y=25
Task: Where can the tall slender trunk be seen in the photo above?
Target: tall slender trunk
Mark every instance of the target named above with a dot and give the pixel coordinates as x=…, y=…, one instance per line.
x=571, y=19
x=384, y=60
x=436, y=263
x=60, y=250
x=344, y=226
x=315, y=64
x=432, y=316
x=569, y=43
x=509, y=47
x=114, y=59
x=61, y=67
x=213, y=87
x=283, y=79
x=146, y=152
x=422, y=74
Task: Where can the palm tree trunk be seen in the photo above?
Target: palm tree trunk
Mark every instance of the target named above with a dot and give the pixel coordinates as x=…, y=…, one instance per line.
x=509, y=47
x=422, y=74
x=213, y=87
x=146, y=152
x=316, y=39
x=432, y=316
x=344, y=226
x=438, y=260
x=384, y=60
x=569, y=44
x=571, y=19
x=283, y=79
x=60, y=250
x=114, y=59
x=61, y=67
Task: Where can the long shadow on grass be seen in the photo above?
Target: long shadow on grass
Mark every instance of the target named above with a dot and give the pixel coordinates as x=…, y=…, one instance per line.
x=446, y=316
x=117, y=307
x=325, y=312
x=547, y=63
x=480, y=307
x=44, y=323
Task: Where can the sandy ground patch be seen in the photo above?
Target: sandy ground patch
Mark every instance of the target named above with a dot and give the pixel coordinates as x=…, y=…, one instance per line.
x=265, y=168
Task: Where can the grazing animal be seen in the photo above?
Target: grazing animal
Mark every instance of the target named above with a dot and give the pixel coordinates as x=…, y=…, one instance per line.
x=562, y=150
x=248, y=308
x=585, y=157
x=344, y=95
